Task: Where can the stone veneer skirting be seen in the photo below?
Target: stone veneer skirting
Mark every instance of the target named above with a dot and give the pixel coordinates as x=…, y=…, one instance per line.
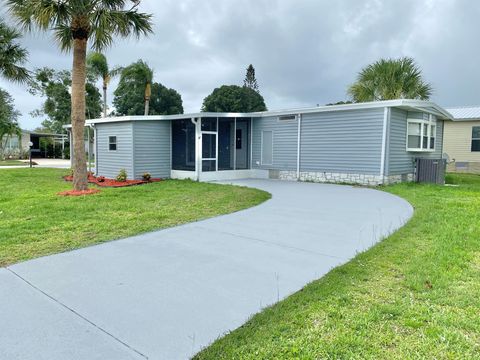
x=330, y=177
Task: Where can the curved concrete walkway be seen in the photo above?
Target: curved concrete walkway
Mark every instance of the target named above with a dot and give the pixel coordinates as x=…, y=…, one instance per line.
x=167, y=294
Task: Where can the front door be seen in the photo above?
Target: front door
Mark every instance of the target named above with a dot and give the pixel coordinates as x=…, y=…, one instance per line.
x=209, y=151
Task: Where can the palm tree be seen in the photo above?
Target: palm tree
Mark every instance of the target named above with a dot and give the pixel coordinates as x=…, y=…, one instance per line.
x=97, y=65
x=12, y=55
x=75, y=23
x=389, y=79
x=140, y=71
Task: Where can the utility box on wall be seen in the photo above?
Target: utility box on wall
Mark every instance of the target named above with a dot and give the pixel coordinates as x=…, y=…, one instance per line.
x=430, y=170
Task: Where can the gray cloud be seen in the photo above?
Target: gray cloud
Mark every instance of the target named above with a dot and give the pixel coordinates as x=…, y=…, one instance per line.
x=306, y=52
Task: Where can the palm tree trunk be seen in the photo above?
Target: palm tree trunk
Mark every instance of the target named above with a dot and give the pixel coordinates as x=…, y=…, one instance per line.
x=148, y=93
x=78, y=114
x=104, y=100
x=147, y=106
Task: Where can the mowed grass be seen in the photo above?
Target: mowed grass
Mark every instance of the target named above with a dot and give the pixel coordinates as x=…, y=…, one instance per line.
x=416, y=295
x=12, y=163
x=34, y=221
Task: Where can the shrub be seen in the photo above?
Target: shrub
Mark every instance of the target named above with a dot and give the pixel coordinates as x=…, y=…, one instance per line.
x=146, y=176
x=122, y=176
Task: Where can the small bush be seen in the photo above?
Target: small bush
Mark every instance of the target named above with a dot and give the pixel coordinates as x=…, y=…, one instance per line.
x=146, y=176
x=122, y=176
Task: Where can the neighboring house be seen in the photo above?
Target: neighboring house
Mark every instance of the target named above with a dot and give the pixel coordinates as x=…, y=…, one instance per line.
x=18, y=146
x=462, y=139
x=365, y=143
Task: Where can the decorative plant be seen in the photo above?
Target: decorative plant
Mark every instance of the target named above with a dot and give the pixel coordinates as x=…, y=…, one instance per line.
x=146, y=176
x=122, y=176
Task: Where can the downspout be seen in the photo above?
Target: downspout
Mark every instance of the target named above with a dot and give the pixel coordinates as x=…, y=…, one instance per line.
x=89, y=150
x=386, y=115
x=298, y=145
x=197, y=148
x=95, y=145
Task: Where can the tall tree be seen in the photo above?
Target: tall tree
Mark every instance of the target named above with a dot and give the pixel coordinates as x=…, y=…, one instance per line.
x=129, y=99
x=97, y=65
x=54, y=86
x=75, y=23
x=250, y=79
x=389, y=79
x=8, y=120
x=233, y=98
x=12, y=55
x=137, y=77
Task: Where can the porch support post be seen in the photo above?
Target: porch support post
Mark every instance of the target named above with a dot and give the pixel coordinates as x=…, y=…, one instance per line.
x=198, y=147
x=63, y=147
x=70, y=145
x=234, y=147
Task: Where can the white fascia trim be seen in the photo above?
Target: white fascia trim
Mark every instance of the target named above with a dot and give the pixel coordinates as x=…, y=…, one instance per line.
x=419, y=105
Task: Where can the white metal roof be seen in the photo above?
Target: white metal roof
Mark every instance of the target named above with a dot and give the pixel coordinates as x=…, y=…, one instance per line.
x=413, y=105
x=465, y=112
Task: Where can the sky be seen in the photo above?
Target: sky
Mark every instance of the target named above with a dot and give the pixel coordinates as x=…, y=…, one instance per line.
x=305, y=52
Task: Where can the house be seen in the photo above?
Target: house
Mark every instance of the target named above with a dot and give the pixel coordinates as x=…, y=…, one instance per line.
x=364, y=143
x=462, y=139
x=18, y=147
x=15, y=146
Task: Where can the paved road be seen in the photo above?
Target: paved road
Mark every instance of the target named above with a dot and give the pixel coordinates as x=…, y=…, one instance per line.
x=167, y=294
x=42, y=163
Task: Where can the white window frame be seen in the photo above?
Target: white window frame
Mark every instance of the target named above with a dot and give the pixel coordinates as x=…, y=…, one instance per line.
x=110, y=143
x=430, y=122
x=474, y=139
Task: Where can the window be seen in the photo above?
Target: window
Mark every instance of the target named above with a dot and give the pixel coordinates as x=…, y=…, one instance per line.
x=112, y=143
x=267, y=147
x=476, y=138
x=421, y=134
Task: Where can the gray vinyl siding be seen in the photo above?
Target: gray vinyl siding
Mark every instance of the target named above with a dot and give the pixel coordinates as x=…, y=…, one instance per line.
x=342, y=141
x=151, y=141
x=284, y=143
x=110, y=162
x=338, y=141
x=399, y=160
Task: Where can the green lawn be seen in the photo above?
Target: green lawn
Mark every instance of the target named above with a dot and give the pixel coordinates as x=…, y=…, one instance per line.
x=416, y=295
x=12, y=163
x=34, y=221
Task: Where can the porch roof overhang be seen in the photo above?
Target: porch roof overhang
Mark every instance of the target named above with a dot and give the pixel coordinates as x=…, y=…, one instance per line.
x=405, y=104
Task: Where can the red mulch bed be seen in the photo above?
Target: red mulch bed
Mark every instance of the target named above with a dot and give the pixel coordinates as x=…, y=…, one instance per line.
x=112, y=182
x=78, y=193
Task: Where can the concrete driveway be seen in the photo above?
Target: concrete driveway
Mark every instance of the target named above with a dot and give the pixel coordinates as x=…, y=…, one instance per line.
x=167, y=294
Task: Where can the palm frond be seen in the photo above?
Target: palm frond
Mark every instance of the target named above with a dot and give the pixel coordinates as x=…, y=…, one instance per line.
x=389, y=79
